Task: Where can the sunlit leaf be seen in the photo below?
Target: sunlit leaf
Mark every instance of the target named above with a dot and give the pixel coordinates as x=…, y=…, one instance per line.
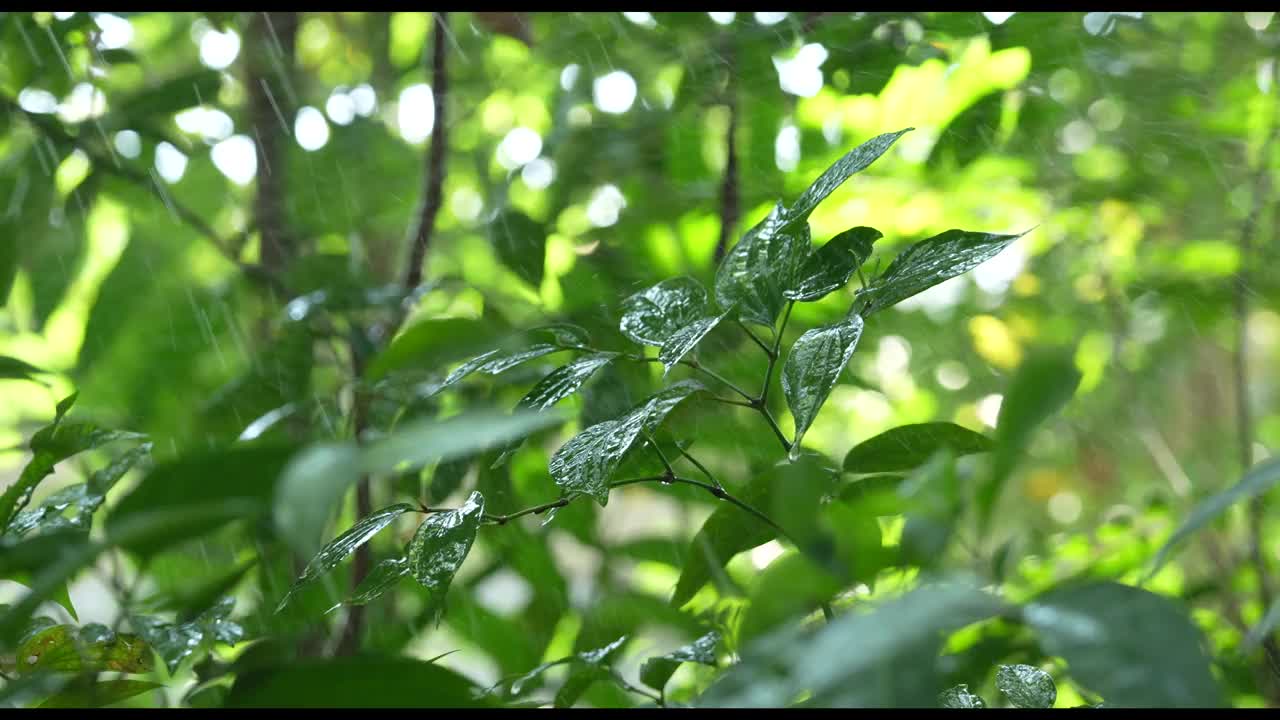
x=829, y=267
x=764, y=263
x=64, y=648
x=651, y=316
x=853, y=162
x=682, y=341
x=930, y=262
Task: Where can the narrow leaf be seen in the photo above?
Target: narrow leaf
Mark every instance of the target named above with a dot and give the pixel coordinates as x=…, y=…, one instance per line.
x=340, y=547
x=682, y=341
x=382, y=578
x=651, y=316
x=12, y=368
x=813, y=365
x=855, y=161
x=829, y=268
x=442, y=543
x=930, y=262
x=656, y=671
x=908, y=446
x=564, y=381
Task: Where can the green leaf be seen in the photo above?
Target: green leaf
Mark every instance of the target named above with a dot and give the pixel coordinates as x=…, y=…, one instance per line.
x=93, y=648
x=686, y=339
x=442, y=543
x=855, y=161
x=829, y=268
x=1132, y=647
x=730, y=530
x=586, y=463
x=1042, y=385
x=332, y=554
x=170, y=96
x=792, y=586
x=930, y=262
x=178, y=641
x=564, y=381
x=497, y=361
x=311, y=485
x=12, y=368
x=1026, y=686
x=907, y=446
x=587, y=667
x=8, y=264
x=1260, y=479
x=434, y=343
x=380, y=579
x=760, y=266
x=813, y=365
x=521, y=243
x=959, y=698
x=427, y=441
x=353, y=682
x=98, y=693
x=656, y=671
x=651, y=316
x=195, y=494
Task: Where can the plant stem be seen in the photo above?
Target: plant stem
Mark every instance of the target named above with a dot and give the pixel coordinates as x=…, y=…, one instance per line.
x=700, y=466
x=773, y=425
x=756, y=339
x=433, y=194
x=773, y=357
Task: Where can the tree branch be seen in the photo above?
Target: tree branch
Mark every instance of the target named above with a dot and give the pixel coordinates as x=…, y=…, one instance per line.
x=433, y=192
x=729, y=201
x=270, y=37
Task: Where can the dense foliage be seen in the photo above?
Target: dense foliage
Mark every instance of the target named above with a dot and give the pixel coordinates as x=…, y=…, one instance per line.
x=623, y=359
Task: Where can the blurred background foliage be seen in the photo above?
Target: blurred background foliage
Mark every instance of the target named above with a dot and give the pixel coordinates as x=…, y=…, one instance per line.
x=588, y=157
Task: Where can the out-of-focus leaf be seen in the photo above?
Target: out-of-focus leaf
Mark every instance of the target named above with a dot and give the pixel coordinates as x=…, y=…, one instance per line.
x=906, y=447
x=1026, y=686
x=930, y=262
x=959, y=697
x=829, y=267
x=1261, y=478
x=651, y=316
x=353, y=682
x=83, y=499
x=791, y=586
x=586, y=463
x=64, y=649
x=12, y=368
x=171, y=96
x=682, y=341
x=434, y=343
x=98, y=693
x=763, y=264
x=1132, y=647
x=442, y=542
x=340, y=547
x=812, y=367
x=1043, y=383
x=310, y=486
x=521, y=244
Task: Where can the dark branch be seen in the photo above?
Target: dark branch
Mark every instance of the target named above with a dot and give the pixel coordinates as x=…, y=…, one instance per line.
x=433, y=192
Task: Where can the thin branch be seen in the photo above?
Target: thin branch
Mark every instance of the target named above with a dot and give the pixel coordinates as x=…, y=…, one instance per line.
x=434, y=178
x=773, y=359
x=716, y=376
x=700, y=466
x=768, y=351
x=350, y=642
x=666, y=464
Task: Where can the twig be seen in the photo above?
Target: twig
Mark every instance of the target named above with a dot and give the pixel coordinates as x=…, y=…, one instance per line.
x=434, y=178
x=768, y=351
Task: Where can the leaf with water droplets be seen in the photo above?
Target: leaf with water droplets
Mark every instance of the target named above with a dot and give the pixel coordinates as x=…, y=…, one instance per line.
x=656, y=671
x=584, y=665
x=497, y=361
x=853, y=162
x=340, y=547
x=651, y=316
x=1026, y=686
x=177, y=641
x=764, y=263
x=906, y=447
x=62, y=649
x=829, y=267
x=930, y=262
x=564, y=381
x=685, y=339
x=382, y=578
x=586, y=462
x=442, y=543
x=959, y=697
x=812, y=367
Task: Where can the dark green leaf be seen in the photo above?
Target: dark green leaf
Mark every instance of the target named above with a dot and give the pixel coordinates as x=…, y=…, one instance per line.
x=651, y=316
x=563, y=381
x=433, y=343
x=855, y=161
x=427, y=441
x=353, y=682
x=1132, y=647
x=1260, y=479
x=829, y=268
x=521, y=244
x=907, y=446
x=98, y=693
x=763, y=264
x=930, y=262
x=178, y=641
x=792, y=586
x=656, y=671
x=813, y=365
x=1026, y=686
x=958, y=698
x=62, y=649
x=447, y=477
x=340, y=547
x=380, y=579
x=442, y=543
x=171, y=96
x=685, y=339
x=12, y=368
x=586, y=463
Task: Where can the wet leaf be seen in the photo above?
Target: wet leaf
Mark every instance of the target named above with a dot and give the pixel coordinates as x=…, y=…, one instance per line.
x=586, y=667
x=98, y=693
x=959, y=697
x=908, y=446
x=651, y=316
x=682, y=341
x=930, y=262
x=829, y=267
x=1026, y=686
x=853, y=162
x=656, y=671
x=442, y=543
x=764, y=263
x=521, y=244
x=332, y=554
x=1131, y=646
x=586, y=463
x=63, y=648
x=380, y=579
x=497, y=361
x=178, y=641
x=564, y=381
x=812, y=367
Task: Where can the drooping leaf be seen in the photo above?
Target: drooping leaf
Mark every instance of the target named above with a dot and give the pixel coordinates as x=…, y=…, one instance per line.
x=353, y=682
x=337, y=550
x=1131, y=646
x=564, y=381
x=63, y=648
x=442, y=543
x=764, y=263
x=12, y=368
x=497, y=361
x=682, y=341
x=521, y=244
x=1260, y=479
x=656, y=671
x=853, y=162
x=930, y=262
x=587, y=461
x=907, y=446
x=829, y=268
x=380, y=579
x=1026, y=686
x=585, y=668
x=176, y=642
x=651, y=316
x=959, y=697
x=98, y=693
x=812, y=367
x=1042, y=384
